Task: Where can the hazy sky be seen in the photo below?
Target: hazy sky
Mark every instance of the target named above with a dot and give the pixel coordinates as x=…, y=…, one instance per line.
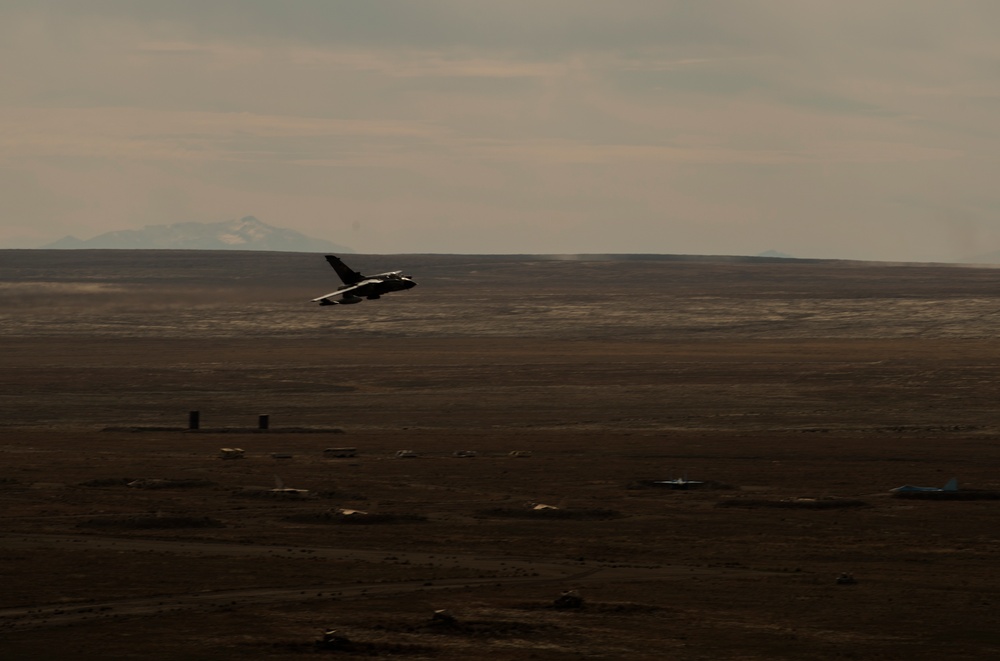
x=866, y=129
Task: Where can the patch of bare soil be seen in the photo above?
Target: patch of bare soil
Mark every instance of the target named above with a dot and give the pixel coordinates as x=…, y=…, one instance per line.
x=798, y=393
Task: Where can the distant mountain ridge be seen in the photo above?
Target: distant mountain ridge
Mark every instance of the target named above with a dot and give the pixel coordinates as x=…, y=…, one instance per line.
x=247, y=233
x=775, y=253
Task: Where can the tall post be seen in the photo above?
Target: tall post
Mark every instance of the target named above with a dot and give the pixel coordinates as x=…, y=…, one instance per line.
x=193, y=419
x=263, y=421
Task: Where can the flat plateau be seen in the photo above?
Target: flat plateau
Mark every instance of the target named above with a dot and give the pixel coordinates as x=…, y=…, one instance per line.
x=799, y=392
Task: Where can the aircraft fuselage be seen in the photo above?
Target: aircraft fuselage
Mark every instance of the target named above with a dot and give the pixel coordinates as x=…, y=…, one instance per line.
x=383, y=286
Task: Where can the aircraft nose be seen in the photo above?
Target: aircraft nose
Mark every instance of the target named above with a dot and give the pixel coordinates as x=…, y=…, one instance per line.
x=410, y=284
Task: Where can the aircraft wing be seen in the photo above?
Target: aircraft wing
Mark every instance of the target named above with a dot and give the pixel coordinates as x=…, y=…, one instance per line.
x=348, y=290
x=383, y=275
x=336, y=293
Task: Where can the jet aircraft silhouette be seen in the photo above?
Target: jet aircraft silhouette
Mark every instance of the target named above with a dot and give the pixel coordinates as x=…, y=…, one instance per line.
x=358, y=286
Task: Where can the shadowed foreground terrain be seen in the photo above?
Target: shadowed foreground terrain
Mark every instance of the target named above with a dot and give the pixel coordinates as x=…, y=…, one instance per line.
x=799, y=391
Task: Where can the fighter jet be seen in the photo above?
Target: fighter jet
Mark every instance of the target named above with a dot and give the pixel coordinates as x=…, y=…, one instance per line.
x=358, y=286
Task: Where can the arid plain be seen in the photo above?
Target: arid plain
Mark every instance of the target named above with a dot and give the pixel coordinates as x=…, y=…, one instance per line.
x=799, y=391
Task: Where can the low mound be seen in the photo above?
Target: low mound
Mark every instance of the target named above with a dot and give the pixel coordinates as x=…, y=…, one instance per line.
x=493, y=628
x=355, y=519
x=795, y=503
x=707, y=485
x=547, y=514
x=148, y=483
x=964, y=494
x=107, y=482
x=152, y=522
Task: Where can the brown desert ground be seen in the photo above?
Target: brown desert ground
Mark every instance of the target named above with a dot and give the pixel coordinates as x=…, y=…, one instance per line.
x=798, y=392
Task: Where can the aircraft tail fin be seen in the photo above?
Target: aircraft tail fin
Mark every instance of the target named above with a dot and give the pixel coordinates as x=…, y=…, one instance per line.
x=952, y=484
x=346, y=273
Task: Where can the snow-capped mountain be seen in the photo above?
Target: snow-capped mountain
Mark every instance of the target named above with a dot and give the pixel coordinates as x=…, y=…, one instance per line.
x=247, y=233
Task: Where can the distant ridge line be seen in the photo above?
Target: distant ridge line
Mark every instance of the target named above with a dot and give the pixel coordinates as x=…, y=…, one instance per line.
x=582, y=257
x=667, y=257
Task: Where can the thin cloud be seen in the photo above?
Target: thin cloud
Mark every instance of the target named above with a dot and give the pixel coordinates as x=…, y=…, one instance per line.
x=647, y=124
x=140, y=133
